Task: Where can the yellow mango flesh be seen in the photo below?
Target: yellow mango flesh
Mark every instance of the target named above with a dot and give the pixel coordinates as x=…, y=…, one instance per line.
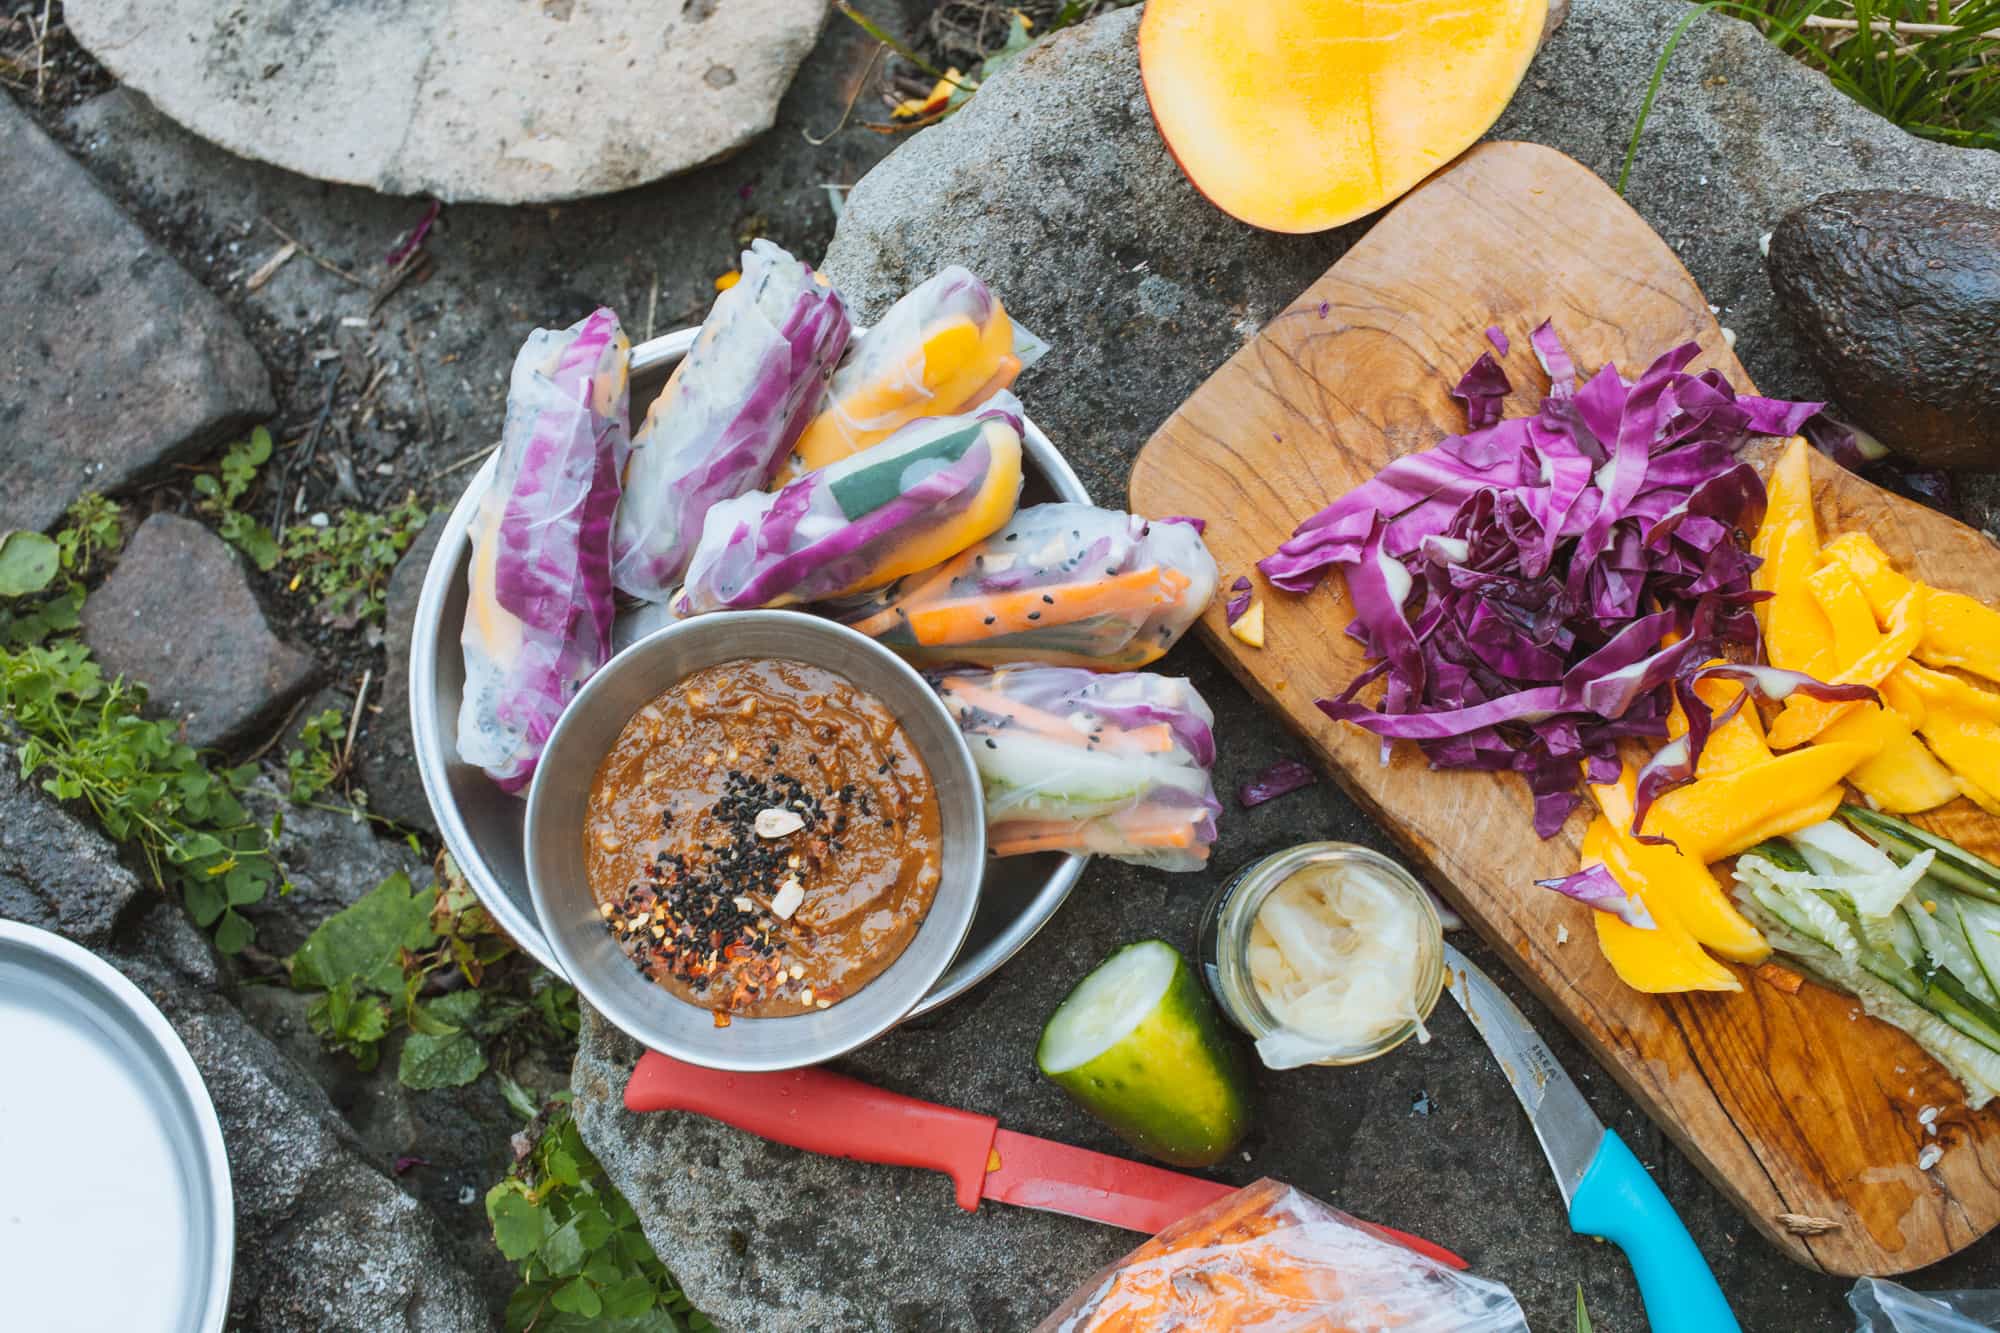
x=1855, y=634
x=1796, y=632
x=1716, y=817
x=1678, y=883
x=1737, y=743
x=1959, y=631
x=1657, y=961
x=957, y=366
x=1805, y=717
x=988, y=512
x=1904, y=777
x=1300, y=115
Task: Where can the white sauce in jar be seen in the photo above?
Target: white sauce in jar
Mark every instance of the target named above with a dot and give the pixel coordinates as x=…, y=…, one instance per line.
x=1335, y=953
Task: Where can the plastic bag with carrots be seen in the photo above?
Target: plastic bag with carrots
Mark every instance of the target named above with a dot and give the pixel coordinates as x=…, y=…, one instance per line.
x=1269, y=1259
x=1106, y=764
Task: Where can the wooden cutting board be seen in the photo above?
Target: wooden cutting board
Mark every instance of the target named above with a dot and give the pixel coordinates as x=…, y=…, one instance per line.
x=1791, y=1104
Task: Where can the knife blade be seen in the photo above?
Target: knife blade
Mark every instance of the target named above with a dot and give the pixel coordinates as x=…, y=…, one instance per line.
x=828, y=1113
x=1607, y=1191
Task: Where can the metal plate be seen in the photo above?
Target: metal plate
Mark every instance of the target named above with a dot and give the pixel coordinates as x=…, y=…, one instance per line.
x=484, y=828
x=117, y=1211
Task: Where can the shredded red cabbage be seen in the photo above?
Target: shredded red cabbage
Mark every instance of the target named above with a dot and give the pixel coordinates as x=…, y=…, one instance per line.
x=1200, y=525
x=1499, y=340
x=1596, y=887
x=1516, y=581
x=1280, y=779
x=1481, y=390
x=1239, y=600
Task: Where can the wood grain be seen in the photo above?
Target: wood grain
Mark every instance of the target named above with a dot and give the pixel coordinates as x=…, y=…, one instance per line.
x=1792, y=1105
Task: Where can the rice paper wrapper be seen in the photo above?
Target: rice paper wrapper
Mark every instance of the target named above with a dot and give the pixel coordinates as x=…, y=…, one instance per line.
x=1106, y=764
x=729, y=415
x=946, y=347
x=538, y=612
x=1271, y=1259
x=1061, y=585
x=918, y=498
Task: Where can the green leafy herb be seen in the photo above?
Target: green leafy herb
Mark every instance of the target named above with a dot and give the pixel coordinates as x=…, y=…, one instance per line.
x=28, y=563
x=220, y=492
x=47, y=607
x=346, y=564
x=84, y=738
x=315, y=764
x=585, y=1261
x=94, y=527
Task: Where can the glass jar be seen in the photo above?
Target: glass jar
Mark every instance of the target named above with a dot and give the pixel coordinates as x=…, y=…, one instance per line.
x=1223, y=941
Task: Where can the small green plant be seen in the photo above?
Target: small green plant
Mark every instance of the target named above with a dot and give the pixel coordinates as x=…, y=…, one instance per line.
x=346, y=564
x=222, y=490
x=41, y=578
x=585, y=1261
x=315, y=763
x=1582, y=1315
x=84, y=739
x=371, y=963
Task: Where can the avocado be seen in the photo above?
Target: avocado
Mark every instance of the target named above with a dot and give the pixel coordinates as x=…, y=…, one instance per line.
x=1898, y=298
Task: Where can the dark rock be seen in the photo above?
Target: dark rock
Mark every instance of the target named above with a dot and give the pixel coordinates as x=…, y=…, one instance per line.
x=332, y=857
x=386, y=756
x=1897, y=299
x=113, y=361
x=1053, y=185
x=178, y=614
x=56, y=872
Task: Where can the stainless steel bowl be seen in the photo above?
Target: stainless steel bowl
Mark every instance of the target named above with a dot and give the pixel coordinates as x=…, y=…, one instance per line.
x=482, y=825
x=559, y=799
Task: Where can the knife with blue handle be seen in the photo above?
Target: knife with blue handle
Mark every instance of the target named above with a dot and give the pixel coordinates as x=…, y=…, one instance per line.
x=1608, y=1192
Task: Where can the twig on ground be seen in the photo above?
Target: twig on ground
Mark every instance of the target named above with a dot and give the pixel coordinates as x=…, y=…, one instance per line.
x=269, y=268
x=326, y=264
x=652, y=304
x=42, y=55
x=354, y=718
x=475, y=456
x=424, y=388
x=306, y=455
x=279, y=734
x=1893, y=27
x=398, y=275
x=867, y=72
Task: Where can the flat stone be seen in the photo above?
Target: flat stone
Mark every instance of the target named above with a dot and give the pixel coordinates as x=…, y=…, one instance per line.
x=324, y=1239
x=113, y=361
x=333, y=859
x=516, y=103
x=56, y=872
x=387, y=755
x=178, y=614
x=1053, y=185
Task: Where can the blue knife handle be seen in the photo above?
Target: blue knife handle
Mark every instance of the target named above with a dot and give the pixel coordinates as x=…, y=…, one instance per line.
x=1618, y=1200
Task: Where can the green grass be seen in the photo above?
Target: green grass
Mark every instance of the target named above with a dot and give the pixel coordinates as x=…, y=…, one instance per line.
x=1942, y=85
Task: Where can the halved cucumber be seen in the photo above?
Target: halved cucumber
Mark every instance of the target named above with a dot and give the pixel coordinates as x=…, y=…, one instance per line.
x=1139, y=1044
x=1904, y=841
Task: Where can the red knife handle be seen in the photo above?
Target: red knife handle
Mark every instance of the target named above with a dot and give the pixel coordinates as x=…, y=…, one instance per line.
x=827, y=1113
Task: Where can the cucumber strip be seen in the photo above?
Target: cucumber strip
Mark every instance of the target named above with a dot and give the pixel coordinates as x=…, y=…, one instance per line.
x=1139, y=1044
x=1905, y=841
x=865, y=489
x=1979, y=920
x=1943, y=938
x=1782, y=855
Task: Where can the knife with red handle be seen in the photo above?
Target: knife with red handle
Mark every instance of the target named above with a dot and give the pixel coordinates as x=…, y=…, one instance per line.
x=837, y=1116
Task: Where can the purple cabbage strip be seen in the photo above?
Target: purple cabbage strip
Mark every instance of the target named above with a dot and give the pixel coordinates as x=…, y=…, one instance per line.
x=408, y=245
x=1278, y=779
x=1777, y=684
x=1482, y=390
x=1515, y=582
x=1499, y=340
x=1594, y=886
x=1200, y=525
x=1239, y=599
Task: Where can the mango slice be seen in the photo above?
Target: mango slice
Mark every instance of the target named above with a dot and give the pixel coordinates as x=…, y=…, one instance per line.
x=1805, y=717
x=1671, y=880
x=1796, y=632
x=1300, y=115
x=1716, y=817
x=1959, y=631
x=1904, y=777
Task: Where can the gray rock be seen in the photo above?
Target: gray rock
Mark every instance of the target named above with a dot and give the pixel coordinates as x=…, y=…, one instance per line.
x=1053, y=185
x=324, y=1240
x=500, y=104
x=113, y=362
x=333, y=859
x=178, y=614
x=387, y=757
x=56, y=872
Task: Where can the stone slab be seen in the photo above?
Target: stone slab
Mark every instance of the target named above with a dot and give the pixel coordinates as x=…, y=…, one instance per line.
x=178, y=615
x=387, y=753
x=113, y=361
x=56, y=872
x=1053, y=185
x=495, y=101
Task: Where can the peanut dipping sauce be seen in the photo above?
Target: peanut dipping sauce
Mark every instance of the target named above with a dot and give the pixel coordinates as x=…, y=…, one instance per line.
x=763, y=839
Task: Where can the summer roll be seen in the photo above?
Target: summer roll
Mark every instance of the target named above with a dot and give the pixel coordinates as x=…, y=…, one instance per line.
x=1061, y=584
x=918, y=498
x=538, y=612
x=1077, y=761
x=945, y=348
x=729, y=415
